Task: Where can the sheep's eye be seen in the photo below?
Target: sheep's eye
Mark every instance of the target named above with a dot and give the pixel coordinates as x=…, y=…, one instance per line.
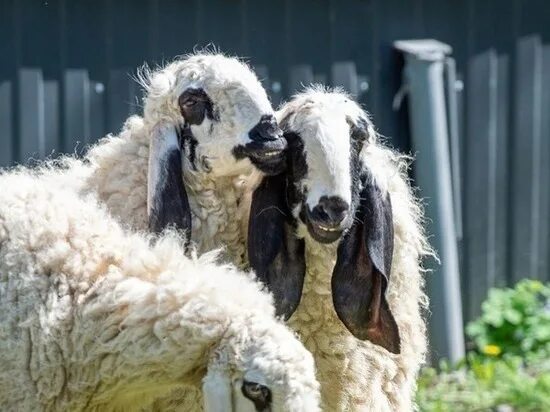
x=195, y=105
x=259, y=394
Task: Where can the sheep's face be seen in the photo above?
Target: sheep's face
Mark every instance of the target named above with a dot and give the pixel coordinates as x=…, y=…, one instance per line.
x=206, y=114
x=326, y=133
x=271, y=372
x=328, y=190
x=223, y=117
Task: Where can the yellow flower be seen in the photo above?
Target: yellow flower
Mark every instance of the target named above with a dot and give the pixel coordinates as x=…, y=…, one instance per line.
x=492, y=350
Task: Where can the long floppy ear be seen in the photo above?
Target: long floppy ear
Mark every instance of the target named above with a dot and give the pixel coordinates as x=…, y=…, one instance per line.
x=167, y=203
x=275, y=254
x=361, y=275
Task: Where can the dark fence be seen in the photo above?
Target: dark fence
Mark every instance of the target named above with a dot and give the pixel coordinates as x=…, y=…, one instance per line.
x=66, y=66
x=67, y=115
x=506, y=164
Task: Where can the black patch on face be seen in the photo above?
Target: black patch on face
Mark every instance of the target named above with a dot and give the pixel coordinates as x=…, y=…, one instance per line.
x=296, y=168
x=194, y=105
x=188, y=144
x=358, y=137
x=260, y=395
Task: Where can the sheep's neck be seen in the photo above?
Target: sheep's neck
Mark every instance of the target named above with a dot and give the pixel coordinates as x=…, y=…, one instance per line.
x=324, y=335
x=316, y=306
x=216, y=209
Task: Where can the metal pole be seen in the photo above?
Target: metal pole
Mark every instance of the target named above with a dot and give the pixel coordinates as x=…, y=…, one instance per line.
x=423, y=75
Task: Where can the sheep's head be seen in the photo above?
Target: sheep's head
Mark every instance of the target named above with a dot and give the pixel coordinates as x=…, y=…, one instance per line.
x=207, y=113
x=329, y=191
x=268, y=370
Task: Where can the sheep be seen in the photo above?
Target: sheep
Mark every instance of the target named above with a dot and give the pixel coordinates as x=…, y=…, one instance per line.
x=95, y=318
x=207, y=127
x=342, y=221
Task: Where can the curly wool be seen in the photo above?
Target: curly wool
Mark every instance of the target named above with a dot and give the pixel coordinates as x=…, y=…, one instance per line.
x=117, y=174
x=97, y=319
x=117, y=167
x=358, y=375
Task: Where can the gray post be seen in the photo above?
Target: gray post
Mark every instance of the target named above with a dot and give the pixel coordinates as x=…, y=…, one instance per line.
x=423, y=74
x=6, y=138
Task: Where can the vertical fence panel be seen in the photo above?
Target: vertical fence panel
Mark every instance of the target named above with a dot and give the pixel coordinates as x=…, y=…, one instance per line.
x=344, y=74
x=479, y=199
x=299, y=76
x=51, y=114
x=77, y=110
x=320, y=78
x=6, y=133
x=31, y=114
x=501, y=181
x=544, y=236
x=97, y=111
x=121, y=96
x=526, y=180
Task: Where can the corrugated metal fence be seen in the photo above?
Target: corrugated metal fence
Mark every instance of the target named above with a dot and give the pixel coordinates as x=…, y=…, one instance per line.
x=65, y=77
x=506, y=170
x=50, y=122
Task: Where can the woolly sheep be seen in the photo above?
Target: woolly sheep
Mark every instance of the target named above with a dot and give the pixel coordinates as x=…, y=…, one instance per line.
x=207, y=126
x=343, y=222
x=97, y=319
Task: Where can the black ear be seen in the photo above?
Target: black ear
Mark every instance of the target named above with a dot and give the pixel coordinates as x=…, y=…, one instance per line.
x=167, y=203
x=361, y=275
x=275, y=254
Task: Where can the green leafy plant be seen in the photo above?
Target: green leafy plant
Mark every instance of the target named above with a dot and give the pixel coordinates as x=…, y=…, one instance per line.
x=509, y=370
x=484, y=384
x=514, y=321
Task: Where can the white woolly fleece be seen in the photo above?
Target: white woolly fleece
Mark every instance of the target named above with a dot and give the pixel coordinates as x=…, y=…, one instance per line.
x=357, y=375
x=116, y=168
x=97, y=319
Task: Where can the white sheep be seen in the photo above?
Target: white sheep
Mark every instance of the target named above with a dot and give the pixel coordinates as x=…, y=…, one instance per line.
x=206, y=130
x=97, y=319
x=207, y=125
x=338, y=240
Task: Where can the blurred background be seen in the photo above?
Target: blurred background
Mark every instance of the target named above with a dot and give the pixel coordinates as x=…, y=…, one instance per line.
x=473, y=107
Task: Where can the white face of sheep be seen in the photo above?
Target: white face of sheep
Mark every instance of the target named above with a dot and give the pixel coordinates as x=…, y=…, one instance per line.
x=273, y=373
x=207, y=114
x=328, y=131
x=330, y=191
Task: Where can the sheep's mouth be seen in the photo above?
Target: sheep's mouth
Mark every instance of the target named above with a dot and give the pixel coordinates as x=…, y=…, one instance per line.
x=322, y=233
x=269, y=157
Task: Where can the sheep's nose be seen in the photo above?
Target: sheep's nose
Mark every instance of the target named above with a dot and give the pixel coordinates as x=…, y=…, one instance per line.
x=330, y=211
x=266, y=130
